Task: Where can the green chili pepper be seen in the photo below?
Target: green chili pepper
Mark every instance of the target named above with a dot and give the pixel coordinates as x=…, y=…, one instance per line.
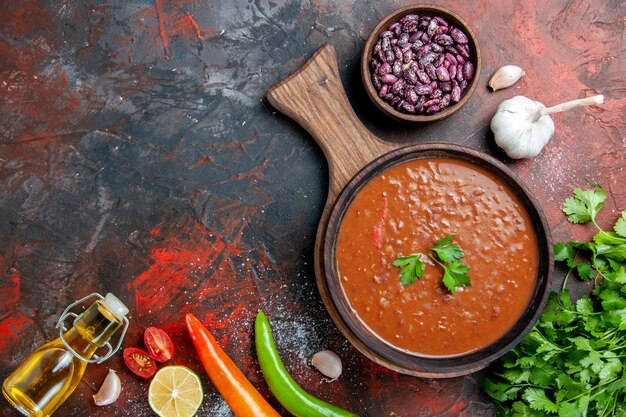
x=287, y=391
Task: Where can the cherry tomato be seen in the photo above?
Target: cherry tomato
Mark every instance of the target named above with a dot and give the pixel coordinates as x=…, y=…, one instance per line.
x=140, y=362
x=159, y=344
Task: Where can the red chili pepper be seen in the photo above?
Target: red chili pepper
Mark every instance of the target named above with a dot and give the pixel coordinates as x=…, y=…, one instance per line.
x=239, y=393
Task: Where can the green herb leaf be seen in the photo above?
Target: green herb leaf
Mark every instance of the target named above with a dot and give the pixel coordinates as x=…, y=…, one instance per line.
x=536, y=398
x=620, y=225
x=412, y=268
x=448, y=257
x=585, y=204
x=455, y=275
x=584, y=271
x=564, y=252
x=446, y=250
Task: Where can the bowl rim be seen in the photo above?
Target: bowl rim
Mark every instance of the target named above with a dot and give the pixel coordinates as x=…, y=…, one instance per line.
x=385, y=354
x=430, y=9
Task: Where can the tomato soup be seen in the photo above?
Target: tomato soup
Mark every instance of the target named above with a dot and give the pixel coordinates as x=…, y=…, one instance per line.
x=405, y=210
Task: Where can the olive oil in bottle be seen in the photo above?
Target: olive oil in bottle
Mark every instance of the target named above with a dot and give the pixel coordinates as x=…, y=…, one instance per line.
x=50, y=374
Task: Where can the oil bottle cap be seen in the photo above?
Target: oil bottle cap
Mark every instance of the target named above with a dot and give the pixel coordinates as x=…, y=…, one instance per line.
x=115, y=305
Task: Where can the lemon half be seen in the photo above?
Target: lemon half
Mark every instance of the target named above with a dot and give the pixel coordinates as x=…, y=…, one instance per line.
x=175, y=391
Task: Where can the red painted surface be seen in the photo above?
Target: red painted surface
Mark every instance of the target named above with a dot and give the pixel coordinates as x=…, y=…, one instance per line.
x=137, y=156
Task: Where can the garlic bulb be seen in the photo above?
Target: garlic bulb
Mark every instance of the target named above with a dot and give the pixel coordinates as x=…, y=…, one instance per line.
x=505, y=77
x=522, y=127
x=110, y=389
x=328, y=363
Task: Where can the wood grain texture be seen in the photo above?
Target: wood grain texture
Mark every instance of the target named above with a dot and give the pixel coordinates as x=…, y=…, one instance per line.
x=314, y=97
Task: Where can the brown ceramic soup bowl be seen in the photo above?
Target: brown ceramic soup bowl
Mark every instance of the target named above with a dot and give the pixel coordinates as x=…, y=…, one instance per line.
x=480, y=344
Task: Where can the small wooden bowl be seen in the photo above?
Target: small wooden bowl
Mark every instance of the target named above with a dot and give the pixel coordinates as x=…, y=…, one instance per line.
x=421, y=10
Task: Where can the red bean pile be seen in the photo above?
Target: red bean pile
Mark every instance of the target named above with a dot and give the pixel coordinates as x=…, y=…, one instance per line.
x=421, y=64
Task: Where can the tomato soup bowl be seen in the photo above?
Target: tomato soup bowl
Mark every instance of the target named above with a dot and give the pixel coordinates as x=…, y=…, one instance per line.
x=314, y=97
x=456, y=359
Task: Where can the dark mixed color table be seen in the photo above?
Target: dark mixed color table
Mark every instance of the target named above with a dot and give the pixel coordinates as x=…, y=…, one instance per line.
x=138, y=156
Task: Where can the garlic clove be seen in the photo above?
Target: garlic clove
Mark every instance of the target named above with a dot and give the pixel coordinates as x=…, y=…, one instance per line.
x=328, y=363
x=505, y=77
x=110, y=389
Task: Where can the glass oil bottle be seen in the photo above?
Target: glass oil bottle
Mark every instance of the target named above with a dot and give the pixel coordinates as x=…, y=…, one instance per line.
x=47, y=377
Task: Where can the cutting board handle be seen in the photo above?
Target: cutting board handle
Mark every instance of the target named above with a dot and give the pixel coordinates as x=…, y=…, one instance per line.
x=314, y=97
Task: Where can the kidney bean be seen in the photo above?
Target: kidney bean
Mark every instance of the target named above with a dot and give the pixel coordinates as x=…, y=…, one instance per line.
x=444, y=40
x=437, y=93
x=407, y=56
x=421, y=74
x=445, y=101
x=385, y=68
x=463, y=51
x=434, y=85
x=458, y=36
x=382, y=92
x=424, y=49
x=374, y=64
x=386, y=34
x=409, y=27
x=437, y=48
x=396, y=69
x=389, y=97
x=410, y=95
x=415, y=46
x=438, y=61
x=377, y=46
x=432, y=109
x=443, y=74
x=386, y=44
x=463, y=84
x=410, y=76
x=452, y=50
x=424, y=21
x=423, y=89
x=376, y=81
x=446, y=86
x=441, y=30
x=397, y=52
x=452, y=70
x=381, y=56
x=468, y=70
x=440, y=21
x=431, y=71
x=413, y=66
x=459, y=73
x=414, y=37
x=420, y=101
x=389, y=79
x=425, y=38
x=432, y=102
x=409, y=108
x=395, y=101
x=455, y=95
x=403, y=40
x=432, y=28
x=451, y=58
x=389, y=56
x=398, y=87
x=446, y=63
x=409, y=18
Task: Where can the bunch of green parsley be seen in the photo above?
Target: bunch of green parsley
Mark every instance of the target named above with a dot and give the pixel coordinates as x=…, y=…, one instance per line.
x=573, y=362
